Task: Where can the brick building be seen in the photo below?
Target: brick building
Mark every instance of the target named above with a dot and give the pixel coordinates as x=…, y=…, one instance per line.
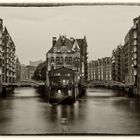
x=18, y=69
x=136, y=54
x=117, y=64
x=7, y=56
x=69, y=53
x=100, y=70
x=127, y=70
x=30, y=71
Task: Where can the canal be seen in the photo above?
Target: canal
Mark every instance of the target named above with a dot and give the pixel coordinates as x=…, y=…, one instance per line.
x=101, y=111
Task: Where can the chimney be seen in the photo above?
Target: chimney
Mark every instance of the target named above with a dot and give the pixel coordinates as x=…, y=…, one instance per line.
x=54, y=41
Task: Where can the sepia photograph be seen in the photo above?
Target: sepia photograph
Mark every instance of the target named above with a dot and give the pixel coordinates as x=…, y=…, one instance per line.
x=70, y=69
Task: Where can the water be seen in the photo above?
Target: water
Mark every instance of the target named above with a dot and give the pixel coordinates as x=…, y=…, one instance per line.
x=101, y=111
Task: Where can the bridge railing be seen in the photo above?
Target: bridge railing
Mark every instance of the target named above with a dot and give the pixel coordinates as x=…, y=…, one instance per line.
x=106, y=83
x=23, y=84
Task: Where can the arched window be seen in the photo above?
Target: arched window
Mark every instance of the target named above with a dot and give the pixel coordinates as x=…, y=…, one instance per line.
x=66, y=60
x=76, y=59
x=70, y=60
x=57, y=59
x=61, y=60
x=52, y=59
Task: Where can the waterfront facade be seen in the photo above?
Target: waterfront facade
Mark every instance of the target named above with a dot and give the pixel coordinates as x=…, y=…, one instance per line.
x=18, y=70
x=26, y=72
x=69, y=53
x=117, y=63
x=100, y=70
x=23, y=72
x=30, y=70
x=136, y=54
x=127, y=73
x=126, y=59
x=66, y=72
x=7, y=58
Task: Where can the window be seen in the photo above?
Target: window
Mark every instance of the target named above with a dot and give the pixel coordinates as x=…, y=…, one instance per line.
x=52, y=59
x=76, y=59
x=57, y=59
x=66, y=60
x=70, y=60
x=61, y=60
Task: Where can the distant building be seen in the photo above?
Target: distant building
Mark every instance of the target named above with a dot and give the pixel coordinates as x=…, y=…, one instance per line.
x=7, y=56
x=35, y=63
x=26, y=72
x=100, y=70
x=117, y=64
x=30, y=70
x=23, y=72
x=18, y=70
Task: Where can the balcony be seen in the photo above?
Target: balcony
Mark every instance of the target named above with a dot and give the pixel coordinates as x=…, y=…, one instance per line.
x=134, y=56
x=135, y=63
x=134, y=34
x=135, y=72
x=135, y=42
x=135, y=49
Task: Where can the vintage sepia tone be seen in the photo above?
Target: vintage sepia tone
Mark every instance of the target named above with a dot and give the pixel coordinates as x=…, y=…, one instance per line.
x=69, y=69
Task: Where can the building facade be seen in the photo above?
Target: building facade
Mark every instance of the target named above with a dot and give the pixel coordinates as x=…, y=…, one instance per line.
x=100, y=70
x=26, y=72
x=18, y=70
x=7, y=56
x=30, y=72
x=127, y=70
x=136, y=54
x=117, y=64
x=69, y=53
x=35, y=63
x=66, y=69
x=126, y=59
x=23, y=72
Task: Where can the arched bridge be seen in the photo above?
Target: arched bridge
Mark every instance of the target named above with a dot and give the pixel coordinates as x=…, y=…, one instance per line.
x=25, y=83
x=107, y=84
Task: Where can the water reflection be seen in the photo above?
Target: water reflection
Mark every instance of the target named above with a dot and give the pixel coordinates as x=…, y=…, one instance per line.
x=101, y=111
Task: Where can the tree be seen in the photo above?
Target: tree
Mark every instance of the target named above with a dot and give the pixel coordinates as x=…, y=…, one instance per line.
x=40, y=72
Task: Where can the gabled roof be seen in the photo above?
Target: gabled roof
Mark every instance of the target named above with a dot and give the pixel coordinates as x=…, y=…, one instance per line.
x=75, y=46
x=59, y=43
x=82, y=44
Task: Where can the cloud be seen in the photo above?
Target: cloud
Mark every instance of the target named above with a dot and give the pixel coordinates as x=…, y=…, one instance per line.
x=32, y=29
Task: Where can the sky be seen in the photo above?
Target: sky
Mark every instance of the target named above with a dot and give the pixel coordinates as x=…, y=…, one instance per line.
x=32, y=28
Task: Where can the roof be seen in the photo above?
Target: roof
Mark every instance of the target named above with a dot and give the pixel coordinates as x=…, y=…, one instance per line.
x=69, y=44
x=59, y=43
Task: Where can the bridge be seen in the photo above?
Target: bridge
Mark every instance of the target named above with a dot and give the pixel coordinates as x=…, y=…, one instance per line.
x=25, y=83
x=108, y=84
x=130, y=89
